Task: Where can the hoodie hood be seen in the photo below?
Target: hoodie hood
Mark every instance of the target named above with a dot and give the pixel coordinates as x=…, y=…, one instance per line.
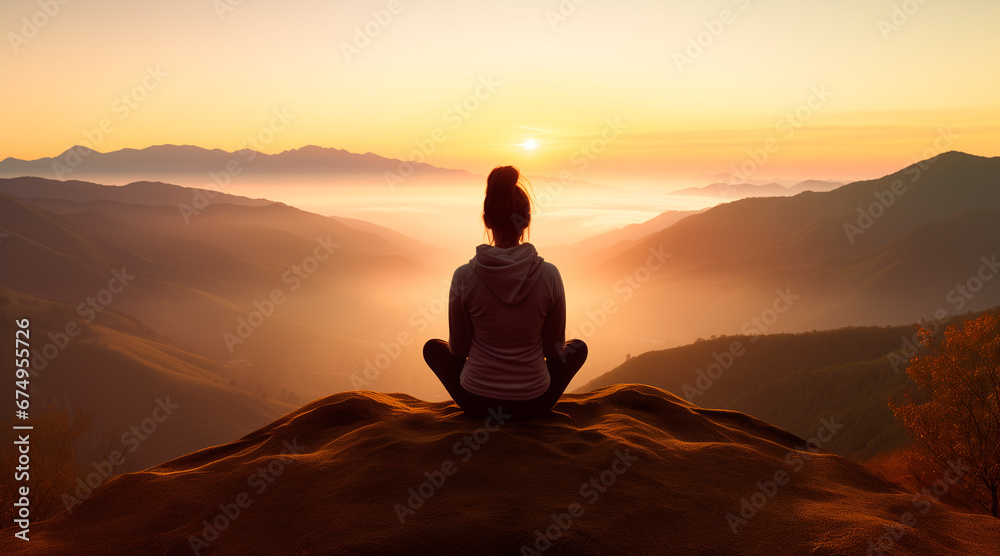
x=508, y=273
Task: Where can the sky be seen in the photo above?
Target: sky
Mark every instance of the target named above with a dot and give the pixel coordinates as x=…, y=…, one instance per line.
x=631, y=90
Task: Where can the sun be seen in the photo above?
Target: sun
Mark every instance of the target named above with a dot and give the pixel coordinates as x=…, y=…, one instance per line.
x=529, y=144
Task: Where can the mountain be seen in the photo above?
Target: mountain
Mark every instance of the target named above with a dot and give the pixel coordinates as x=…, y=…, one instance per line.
x=728, y=192
x=201, y=281
x=815, y=185
x=727, y=177
x=626, y=469
x=73, y=196
x=793, y=380
x=185, y=308
x=789, y=230
x=215, y=168
x=591, y=248
x=136, y=193
x=863, y=254
x=253, y=172
x=417, y=199
x=408, y=244
x=180, y=307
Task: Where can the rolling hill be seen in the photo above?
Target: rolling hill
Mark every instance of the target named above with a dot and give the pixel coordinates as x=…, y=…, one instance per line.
x=791, y=380
x=613, y=241
x=136, y=193
x=196, y=279
x=858, y=255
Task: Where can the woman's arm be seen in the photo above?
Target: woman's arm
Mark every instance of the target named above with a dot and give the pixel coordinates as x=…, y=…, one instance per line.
x=459, y=325
x=554, y=329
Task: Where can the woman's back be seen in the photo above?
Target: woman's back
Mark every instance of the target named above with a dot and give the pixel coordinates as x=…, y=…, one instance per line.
x=508, y=312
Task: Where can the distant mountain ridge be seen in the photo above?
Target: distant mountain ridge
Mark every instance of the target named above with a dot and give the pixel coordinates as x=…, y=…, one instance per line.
x=194, y=165
x=215, y=169
x=729, y=192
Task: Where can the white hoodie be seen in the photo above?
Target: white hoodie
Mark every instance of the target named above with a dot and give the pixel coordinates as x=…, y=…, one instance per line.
x=507, y=312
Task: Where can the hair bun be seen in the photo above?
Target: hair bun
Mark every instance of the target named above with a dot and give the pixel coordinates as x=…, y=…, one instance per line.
x=507, y=207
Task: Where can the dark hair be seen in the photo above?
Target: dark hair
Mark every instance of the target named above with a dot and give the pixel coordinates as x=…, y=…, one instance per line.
x=507, y=208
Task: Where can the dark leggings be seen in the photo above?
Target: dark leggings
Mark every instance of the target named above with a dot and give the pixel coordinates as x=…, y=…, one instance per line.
x=448, y=369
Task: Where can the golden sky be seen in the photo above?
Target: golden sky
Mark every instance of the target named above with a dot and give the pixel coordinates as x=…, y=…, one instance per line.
x=601, y=89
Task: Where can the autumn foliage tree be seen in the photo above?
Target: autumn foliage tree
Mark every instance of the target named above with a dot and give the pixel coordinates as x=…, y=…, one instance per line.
x=960, y=420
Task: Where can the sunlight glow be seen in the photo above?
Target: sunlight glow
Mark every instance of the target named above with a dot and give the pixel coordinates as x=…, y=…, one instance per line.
x=321, y=65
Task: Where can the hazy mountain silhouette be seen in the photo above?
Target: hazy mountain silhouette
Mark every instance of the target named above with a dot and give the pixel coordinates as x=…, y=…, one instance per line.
x=196, y=280
x=613, y=241
x=728, y=177
x=676, y=475
x=729, y=192
x=842, y=265
x=196, y=166
x=219, y=170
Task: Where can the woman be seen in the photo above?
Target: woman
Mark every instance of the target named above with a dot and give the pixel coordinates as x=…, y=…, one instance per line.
x=507, y=318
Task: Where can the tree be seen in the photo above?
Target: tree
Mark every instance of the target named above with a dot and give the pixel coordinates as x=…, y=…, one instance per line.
x=959, y=424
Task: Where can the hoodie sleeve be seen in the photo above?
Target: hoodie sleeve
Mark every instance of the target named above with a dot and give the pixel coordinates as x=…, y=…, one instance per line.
x=554, y=330
x=459, y=324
